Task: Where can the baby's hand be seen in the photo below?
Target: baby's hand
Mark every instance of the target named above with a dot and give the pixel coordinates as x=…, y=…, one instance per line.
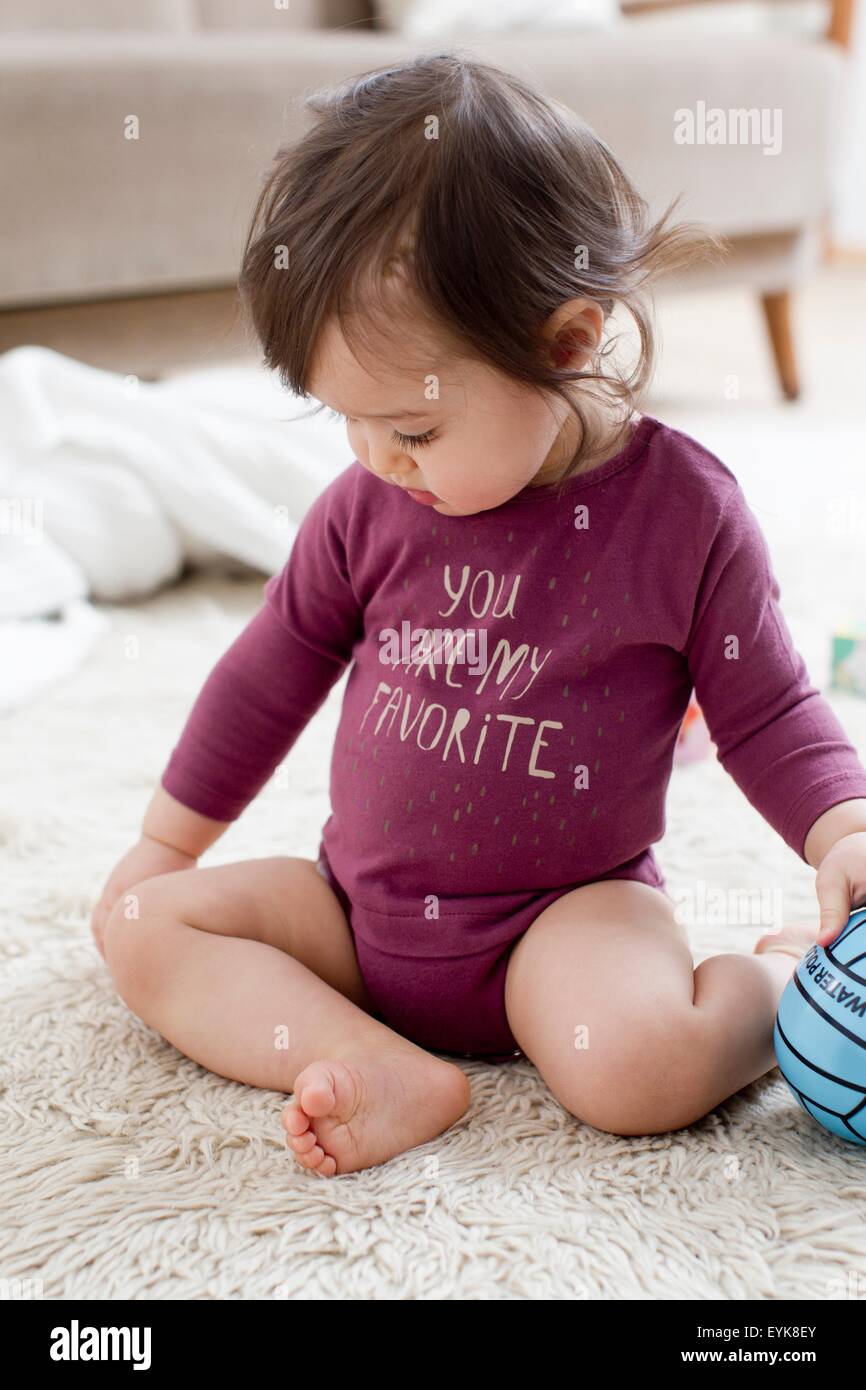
x=841, y=884
x=147, y=859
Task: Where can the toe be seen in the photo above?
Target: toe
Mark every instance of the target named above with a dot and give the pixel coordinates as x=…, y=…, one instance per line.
x=317, y=1093
x=791, y=941
x=302, y=1143
x=313, y=1157
x=325, y=1165
x=294, y=1121
x=303, y=1159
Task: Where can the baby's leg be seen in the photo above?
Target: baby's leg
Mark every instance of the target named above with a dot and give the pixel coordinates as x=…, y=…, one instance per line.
x=250, y=969
x=602, y=994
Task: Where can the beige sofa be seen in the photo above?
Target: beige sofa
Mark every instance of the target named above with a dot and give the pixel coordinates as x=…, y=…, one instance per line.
x=214, y=86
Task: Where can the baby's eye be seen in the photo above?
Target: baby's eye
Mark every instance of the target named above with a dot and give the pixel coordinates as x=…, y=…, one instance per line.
x=413, y=441
x=406, y=441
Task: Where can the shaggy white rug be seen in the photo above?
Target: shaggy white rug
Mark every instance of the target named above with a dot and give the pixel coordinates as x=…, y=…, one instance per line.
x=130, y=1172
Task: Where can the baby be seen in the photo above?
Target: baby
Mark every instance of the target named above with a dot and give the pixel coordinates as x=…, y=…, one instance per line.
x=527, y=577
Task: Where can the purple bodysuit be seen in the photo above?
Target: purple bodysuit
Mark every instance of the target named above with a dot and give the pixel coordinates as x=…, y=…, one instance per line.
x=508, y=726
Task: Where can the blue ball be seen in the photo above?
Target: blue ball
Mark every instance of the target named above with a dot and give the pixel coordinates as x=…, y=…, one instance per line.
x=820, y=1032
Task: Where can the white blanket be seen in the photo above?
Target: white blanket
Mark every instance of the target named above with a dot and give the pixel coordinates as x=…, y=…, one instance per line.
x=110, y=487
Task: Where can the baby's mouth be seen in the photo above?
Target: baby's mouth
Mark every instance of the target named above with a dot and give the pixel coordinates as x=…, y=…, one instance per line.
x=427, y=499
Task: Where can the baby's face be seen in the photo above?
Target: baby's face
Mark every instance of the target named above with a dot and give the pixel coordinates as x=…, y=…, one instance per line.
x=464, y=437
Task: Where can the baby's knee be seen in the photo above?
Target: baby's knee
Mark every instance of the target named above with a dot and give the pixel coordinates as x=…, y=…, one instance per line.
x=131, y=949
x=648, y=1083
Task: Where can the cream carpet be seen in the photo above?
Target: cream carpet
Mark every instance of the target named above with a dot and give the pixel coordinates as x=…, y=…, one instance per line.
x=130, y=1172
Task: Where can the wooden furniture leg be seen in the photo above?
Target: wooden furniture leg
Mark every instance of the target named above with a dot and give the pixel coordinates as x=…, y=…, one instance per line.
x=777, y=315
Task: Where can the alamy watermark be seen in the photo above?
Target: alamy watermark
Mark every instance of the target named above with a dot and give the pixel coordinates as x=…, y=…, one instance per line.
x=703, y=125
x=23, y=516
x=705, y=905
x=438, y=646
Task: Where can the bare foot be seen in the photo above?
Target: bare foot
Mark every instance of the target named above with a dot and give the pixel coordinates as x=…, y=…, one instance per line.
x=793, y=941
x=362, y=1110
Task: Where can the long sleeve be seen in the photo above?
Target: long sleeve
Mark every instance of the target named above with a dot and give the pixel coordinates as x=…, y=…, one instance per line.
x=275, y=675
x=776, y=735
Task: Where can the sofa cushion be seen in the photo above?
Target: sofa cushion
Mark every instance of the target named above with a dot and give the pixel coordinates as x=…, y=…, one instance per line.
x=637, y=87
x=180, y=16
x=21, y=16
x=281, y=14
x=423, y=19
x=96, y=213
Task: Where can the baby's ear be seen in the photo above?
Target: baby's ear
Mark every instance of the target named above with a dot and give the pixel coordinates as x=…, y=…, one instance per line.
x=564, y=346
x=569, y=345
x=398, y=262
x=573, y=332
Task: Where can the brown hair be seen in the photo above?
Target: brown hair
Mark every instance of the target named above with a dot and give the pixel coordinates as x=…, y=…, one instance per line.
x=497, y=204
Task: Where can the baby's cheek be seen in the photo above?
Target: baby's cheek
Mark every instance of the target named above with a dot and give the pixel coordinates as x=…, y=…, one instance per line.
x=358, y=444
x=483, y=480
x=475, y=502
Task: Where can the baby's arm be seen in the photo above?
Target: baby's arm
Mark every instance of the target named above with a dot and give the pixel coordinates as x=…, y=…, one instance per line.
x=776, y=734
x=172, y=837
x=266, y=688
x=169, y=823
x=254, y=703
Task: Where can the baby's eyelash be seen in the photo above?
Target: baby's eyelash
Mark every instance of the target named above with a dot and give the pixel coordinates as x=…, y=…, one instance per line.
x=406, y=441
x=413, y=441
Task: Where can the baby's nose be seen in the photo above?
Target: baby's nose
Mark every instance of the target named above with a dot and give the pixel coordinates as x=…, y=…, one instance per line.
x=391, y=463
